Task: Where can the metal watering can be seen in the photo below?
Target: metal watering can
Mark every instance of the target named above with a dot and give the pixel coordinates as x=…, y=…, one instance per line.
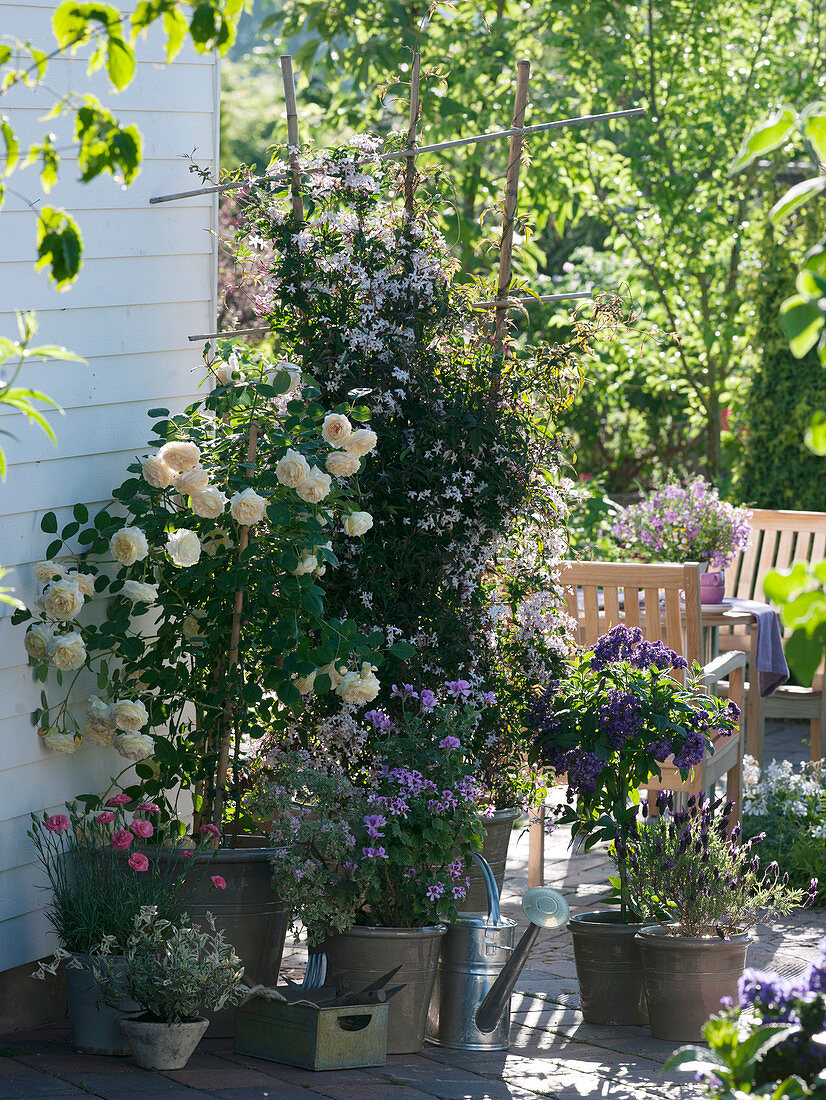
x=479, y=967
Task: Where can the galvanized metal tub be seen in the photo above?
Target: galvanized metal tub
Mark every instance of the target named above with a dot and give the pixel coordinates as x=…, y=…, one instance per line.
x=498, y=829
x=95, y=1026
x=472, y=956
x=364, y=956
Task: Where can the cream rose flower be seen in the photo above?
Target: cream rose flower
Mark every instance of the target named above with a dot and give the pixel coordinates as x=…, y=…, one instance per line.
x=59, y=742
x=128, y=715
x=334, y=673
x=357, y=523
x=67, y=652
x=361, y=442
x=156, y=472
x=336, y=429
x=180, y=455
x=46, y=571
x=229, y=371
x=38, y=639
x=84, y=581
x=305, y=683
x=138, y=592
x=320, y=571
x=292, y=469
x=342, y=464
x=134, y=746
x=292, y=369
x=128, y=545
x=62, y=599
x=307, y=564
x=349, y=684
x=247, y=508
x=190, y=481
x=183, y=547
x=370, y=684
x=99, y=726
x=208, y=502
x=315, y=487
x=191, y=627
x=216, y=540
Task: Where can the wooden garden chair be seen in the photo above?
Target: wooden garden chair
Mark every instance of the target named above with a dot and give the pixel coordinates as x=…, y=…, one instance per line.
x=601, y=595
x=778, y=540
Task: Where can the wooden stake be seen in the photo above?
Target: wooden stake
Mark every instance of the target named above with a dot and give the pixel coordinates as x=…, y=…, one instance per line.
x=292, y=136
x=523, y=70
x=413, y=119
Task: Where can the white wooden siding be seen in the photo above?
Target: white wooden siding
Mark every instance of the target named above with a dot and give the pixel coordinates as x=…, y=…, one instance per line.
x=148, y=281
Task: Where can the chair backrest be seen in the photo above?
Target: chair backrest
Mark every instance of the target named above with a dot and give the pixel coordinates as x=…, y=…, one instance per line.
x=651, y=600
x=778, y=539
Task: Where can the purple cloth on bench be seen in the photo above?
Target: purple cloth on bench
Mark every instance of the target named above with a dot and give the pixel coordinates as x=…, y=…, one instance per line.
x=770, y=658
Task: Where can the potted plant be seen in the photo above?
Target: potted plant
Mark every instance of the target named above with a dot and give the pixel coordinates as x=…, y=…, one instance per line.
x=709, y=892
x=209, y=566
x=172, y=972
x=687, y=524
x=606, y=727
x=101, y=873
x=373, y=868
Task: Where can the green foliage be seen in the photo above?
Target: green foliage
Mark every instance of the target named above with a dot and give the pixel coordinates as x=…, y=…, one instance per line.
x=59, y=245
x=800, y=594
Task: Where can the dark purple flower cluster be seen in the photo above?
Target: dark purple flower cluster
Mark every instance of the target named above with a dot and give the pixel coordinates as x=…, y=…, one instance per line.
x=691, y=752
x=627, y=644
x=583, y=770
x=620, y=717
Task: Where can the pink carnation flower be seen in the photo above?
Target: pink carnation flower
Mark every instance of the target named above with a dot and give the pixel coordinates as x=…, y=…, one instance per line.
x=121, y=839
x=138, y=861
x=210, y=830
x=142, y=828
x=187, y=853
x=105, y=817
x=118, y=799
x=57, y=823
x=218, y=882
x=148, y=808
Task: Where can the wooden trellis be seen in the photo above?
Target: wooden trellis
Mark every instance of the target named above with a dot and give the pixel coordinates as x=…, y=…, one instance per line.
x=501, y=305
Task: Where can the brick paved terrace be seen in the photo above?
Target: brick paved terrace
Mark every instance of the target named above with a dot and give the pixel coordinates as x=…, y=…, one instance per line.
x=552, y=1053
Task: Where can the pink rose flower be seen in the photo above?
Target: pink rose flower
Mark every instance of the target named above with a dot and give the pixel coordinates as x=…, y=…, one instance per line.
x=121, y=839
x=218, y=882
x=57, y=823
x=187, y=853
x=210, y=830
x=148, y=808
x=138, y=861
x=118, y=799
x=105, y=817
x=142, y=828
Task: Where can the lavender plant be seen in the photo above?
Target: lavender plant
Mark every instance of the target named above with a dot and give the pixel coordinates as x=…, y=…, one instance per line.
x=609, y=724
x=684, y=524
x=693, y=869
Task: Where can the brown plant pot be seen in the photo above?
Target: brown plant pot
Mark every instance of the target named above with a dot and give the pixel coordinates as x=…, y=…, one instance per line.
x=609, y=969
x=686, y=978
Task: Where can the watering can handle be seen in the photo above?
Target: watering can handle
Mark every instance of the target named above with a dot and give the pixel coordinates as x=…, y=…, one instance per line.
x=494, y=913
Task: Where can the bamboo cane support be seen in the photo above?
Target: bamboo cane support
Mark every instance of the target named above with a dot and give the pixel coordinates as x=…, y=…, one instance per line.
x=292, y=137
x=413, y=119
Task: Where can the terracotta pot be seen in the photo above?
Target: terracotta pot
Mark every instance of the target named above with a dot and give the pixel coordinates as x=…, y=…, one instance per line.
x=609, y=969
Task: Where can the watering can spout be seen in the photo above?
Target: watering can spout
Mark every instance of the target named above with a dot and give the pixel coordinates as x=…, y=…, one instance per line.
x=544, y=908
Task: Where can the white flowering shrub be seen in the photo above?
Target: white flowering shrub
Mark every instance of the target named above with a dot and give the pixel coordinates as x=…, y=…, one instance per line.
x=459, y=573
x=209, y=560
x=788, y=804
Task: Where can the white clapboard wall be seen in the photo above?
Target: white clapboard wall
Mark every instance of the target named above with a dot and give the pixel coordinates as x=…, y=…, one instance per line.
x=148, y=281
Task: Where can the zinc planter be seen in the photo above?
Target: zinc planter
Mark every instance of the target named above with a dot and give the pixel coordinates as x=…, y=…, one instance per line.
x=686, y=977
x=94, y=1025
x=163, y=1046
x=364, y=956
x=609, y=969
x=498, y=829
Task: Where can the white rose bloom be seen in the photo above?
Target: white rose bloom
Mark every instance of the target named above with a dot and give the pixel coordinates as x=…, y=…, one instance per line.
x=305, y=683
x=247, y=508
x=357, y=523
x=292, y=469
x=334, y=673
x=98, y=726
x=190, y=481
x=369, y=685
x=208, y=503
x=229, y=371
x=216, y=540
x=349, y=684
x=315, y=486
x=308, y=563
x=38, y=639
x=129, y=545
x=342, y=464
x=48, y=570
x=180, y=455
x=156, y=473
x=183, y=547
x=137, y=591
x=59, y=742
x=336, y=429
x=104, y=737
x=191, y=626
x=67, y=652
x=128, y=715
x=84, y=581
x=361, y=442
x=320, y=571
x=134, y=746
x=62, y=599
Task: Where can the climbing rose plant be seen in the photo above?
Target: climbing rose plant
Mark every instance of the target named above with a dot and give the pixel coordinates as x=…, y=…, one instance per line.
x=208, y=562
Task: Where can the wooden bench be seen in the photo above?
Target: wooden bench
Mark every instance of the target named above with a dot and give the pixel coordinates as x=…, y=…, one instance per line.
x=778, y=540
